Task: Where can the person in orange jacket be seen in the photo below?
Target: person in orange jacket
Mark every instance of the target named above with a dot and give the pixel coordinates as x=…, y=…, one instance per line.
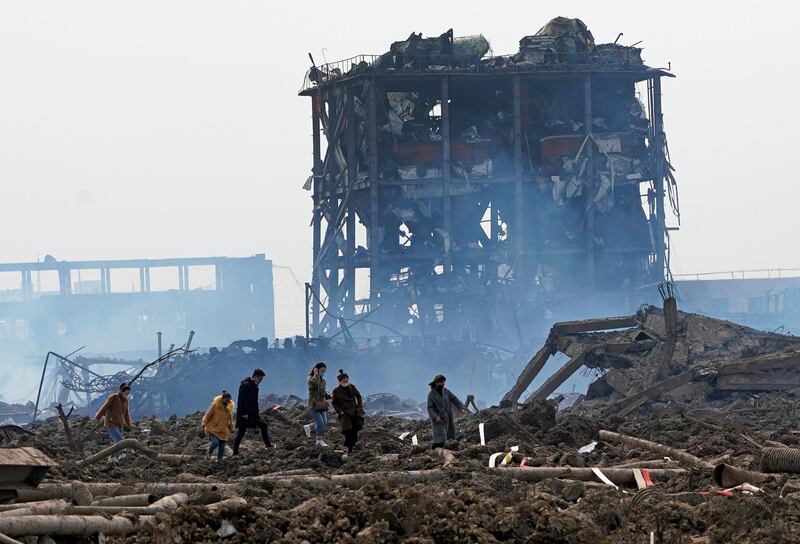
x=117, y=416
x=218, y=424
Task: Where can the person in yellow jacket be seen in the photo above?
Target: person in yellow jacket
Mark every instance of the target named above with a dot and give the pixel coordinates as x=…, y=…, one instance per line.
x=218, y=424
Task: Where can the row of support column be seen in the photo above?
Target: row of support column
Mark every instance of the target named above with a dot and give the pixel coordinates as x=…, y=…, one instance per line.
x=517, y=223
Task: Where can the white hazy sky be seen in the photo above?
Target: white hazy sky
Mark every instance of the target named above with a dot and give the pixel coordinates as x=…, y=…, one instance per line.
x=173, y=128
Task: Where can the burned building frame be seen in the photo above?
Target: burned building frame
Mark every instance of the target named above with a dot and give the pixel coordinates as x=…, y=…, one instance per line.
x=466, y=183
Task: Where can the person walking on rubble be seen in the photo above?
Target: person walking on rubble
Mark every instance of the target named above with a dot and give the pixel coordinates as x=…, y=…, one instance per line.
x=440, y=409
x=247, y=416
x=347, y=402
x=218, y=424
x=117, y=416
x=318, y=402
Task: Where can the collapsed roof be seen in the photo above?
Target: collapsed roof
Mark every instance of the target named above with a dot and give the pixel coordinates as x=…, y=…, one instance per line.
x=562, y=43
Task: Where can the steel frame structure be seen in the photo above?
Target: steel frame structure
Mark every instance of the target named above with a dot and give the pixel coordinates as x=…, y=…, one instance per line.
x=350, y=187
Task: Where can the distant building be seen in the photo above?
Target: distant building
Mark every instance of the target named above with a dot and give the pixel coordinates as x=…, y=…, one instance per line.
x=233, y=300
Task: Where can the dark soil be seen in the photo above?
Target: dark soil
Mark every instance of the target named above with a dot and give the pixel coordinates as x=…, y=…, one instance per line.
x=472, y=504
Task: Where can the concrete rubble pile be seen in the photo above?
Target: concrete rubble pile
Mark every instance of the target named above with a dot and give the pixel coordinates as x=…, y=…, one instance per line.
x=715, y=470
x=646, y=360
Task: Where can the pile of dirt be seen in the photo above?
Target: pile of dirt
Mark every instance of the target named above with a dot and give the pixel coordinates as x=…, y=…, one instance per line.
x=472, y=503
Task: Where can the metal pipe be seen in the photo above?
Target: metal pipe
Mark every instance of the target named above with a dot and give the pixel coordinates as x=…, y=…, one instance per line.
x=159, y=343
x=780, y=460
x=727, y=476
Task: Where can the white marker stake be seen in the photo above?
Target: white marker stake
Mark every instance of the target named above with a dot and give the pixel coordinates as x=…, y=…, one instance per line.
x=404, y=436
x=414, y=441
x=483, y=436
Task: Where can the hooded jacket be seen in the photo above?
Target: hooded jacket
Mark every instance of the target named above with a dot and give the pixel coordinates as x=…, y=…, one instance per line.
x=247, y=415
x=115, y=410
x=218, y=419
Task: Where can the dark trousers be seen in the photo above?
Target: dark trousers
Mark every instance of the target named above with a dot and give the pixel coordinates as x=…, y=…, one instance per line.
x=350, y=438
x=262, y=426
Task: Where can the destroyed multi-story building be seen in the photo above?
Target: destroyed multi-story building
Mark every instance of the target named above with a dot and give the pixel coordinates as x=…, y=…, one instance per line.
x=469, y=184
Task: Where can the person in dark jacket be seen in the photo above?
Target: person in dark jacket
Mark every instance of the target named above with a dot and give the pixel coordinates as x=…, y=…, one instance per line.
x=440, y=409
x=347, y=402
x=247, y=416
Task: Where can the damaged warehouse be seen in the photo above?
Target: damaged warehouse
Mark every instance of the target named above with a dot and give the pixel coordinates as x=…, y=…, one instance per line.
x=481, y=180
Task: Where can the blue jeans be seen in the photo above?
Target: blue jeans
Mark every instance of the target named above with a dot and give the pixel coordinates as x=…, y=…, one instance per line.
x=116, y=435
x=217, y=443
x=320, y=420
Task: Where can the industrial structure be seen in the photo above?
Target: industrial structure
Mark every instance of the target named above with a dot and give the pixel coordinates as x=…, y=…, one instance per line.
x=237, y=303
x=475, y=187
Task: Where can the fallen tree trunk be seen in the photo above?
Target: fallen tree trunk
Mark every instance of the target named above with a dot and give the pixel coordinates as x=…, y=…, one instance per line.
x=142, y=499
x=71, y=525
x=132, y=443
x=655, y=447
x=619, y=476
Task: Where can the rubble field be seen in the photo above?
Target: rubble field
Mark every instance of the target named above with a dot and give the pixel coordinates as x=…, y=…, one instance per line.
x=472, y=503
x=688, y=434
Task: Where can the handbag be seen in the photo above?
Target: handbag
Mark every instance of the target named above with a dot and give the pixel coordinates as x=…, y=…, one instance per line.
x=321, y=405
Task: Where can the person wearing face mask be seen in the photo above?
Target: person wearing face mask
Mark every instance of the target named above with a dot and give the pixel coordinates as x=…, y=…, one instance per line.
x=318, y=402
x=117, y=416
x=347, y=402
x=218, y=424
x=440, y=409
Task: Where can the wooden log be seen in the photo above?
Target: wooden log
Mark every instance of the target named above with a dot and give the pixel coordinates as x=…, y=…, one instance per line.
x=655, y=447
x=132, y=443
x=43, y=507
x=141, y=499
x=620, y=476
x=71, y=525
x=554, y=381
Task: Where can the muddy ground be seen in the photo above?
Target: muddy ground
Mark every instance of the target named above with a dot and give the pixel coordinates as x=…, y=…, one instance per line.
x=472, y=504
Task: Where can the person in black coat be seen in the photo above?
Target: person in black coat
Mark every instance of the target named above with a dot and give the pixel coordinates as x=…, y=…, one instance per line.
x=247, y=416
